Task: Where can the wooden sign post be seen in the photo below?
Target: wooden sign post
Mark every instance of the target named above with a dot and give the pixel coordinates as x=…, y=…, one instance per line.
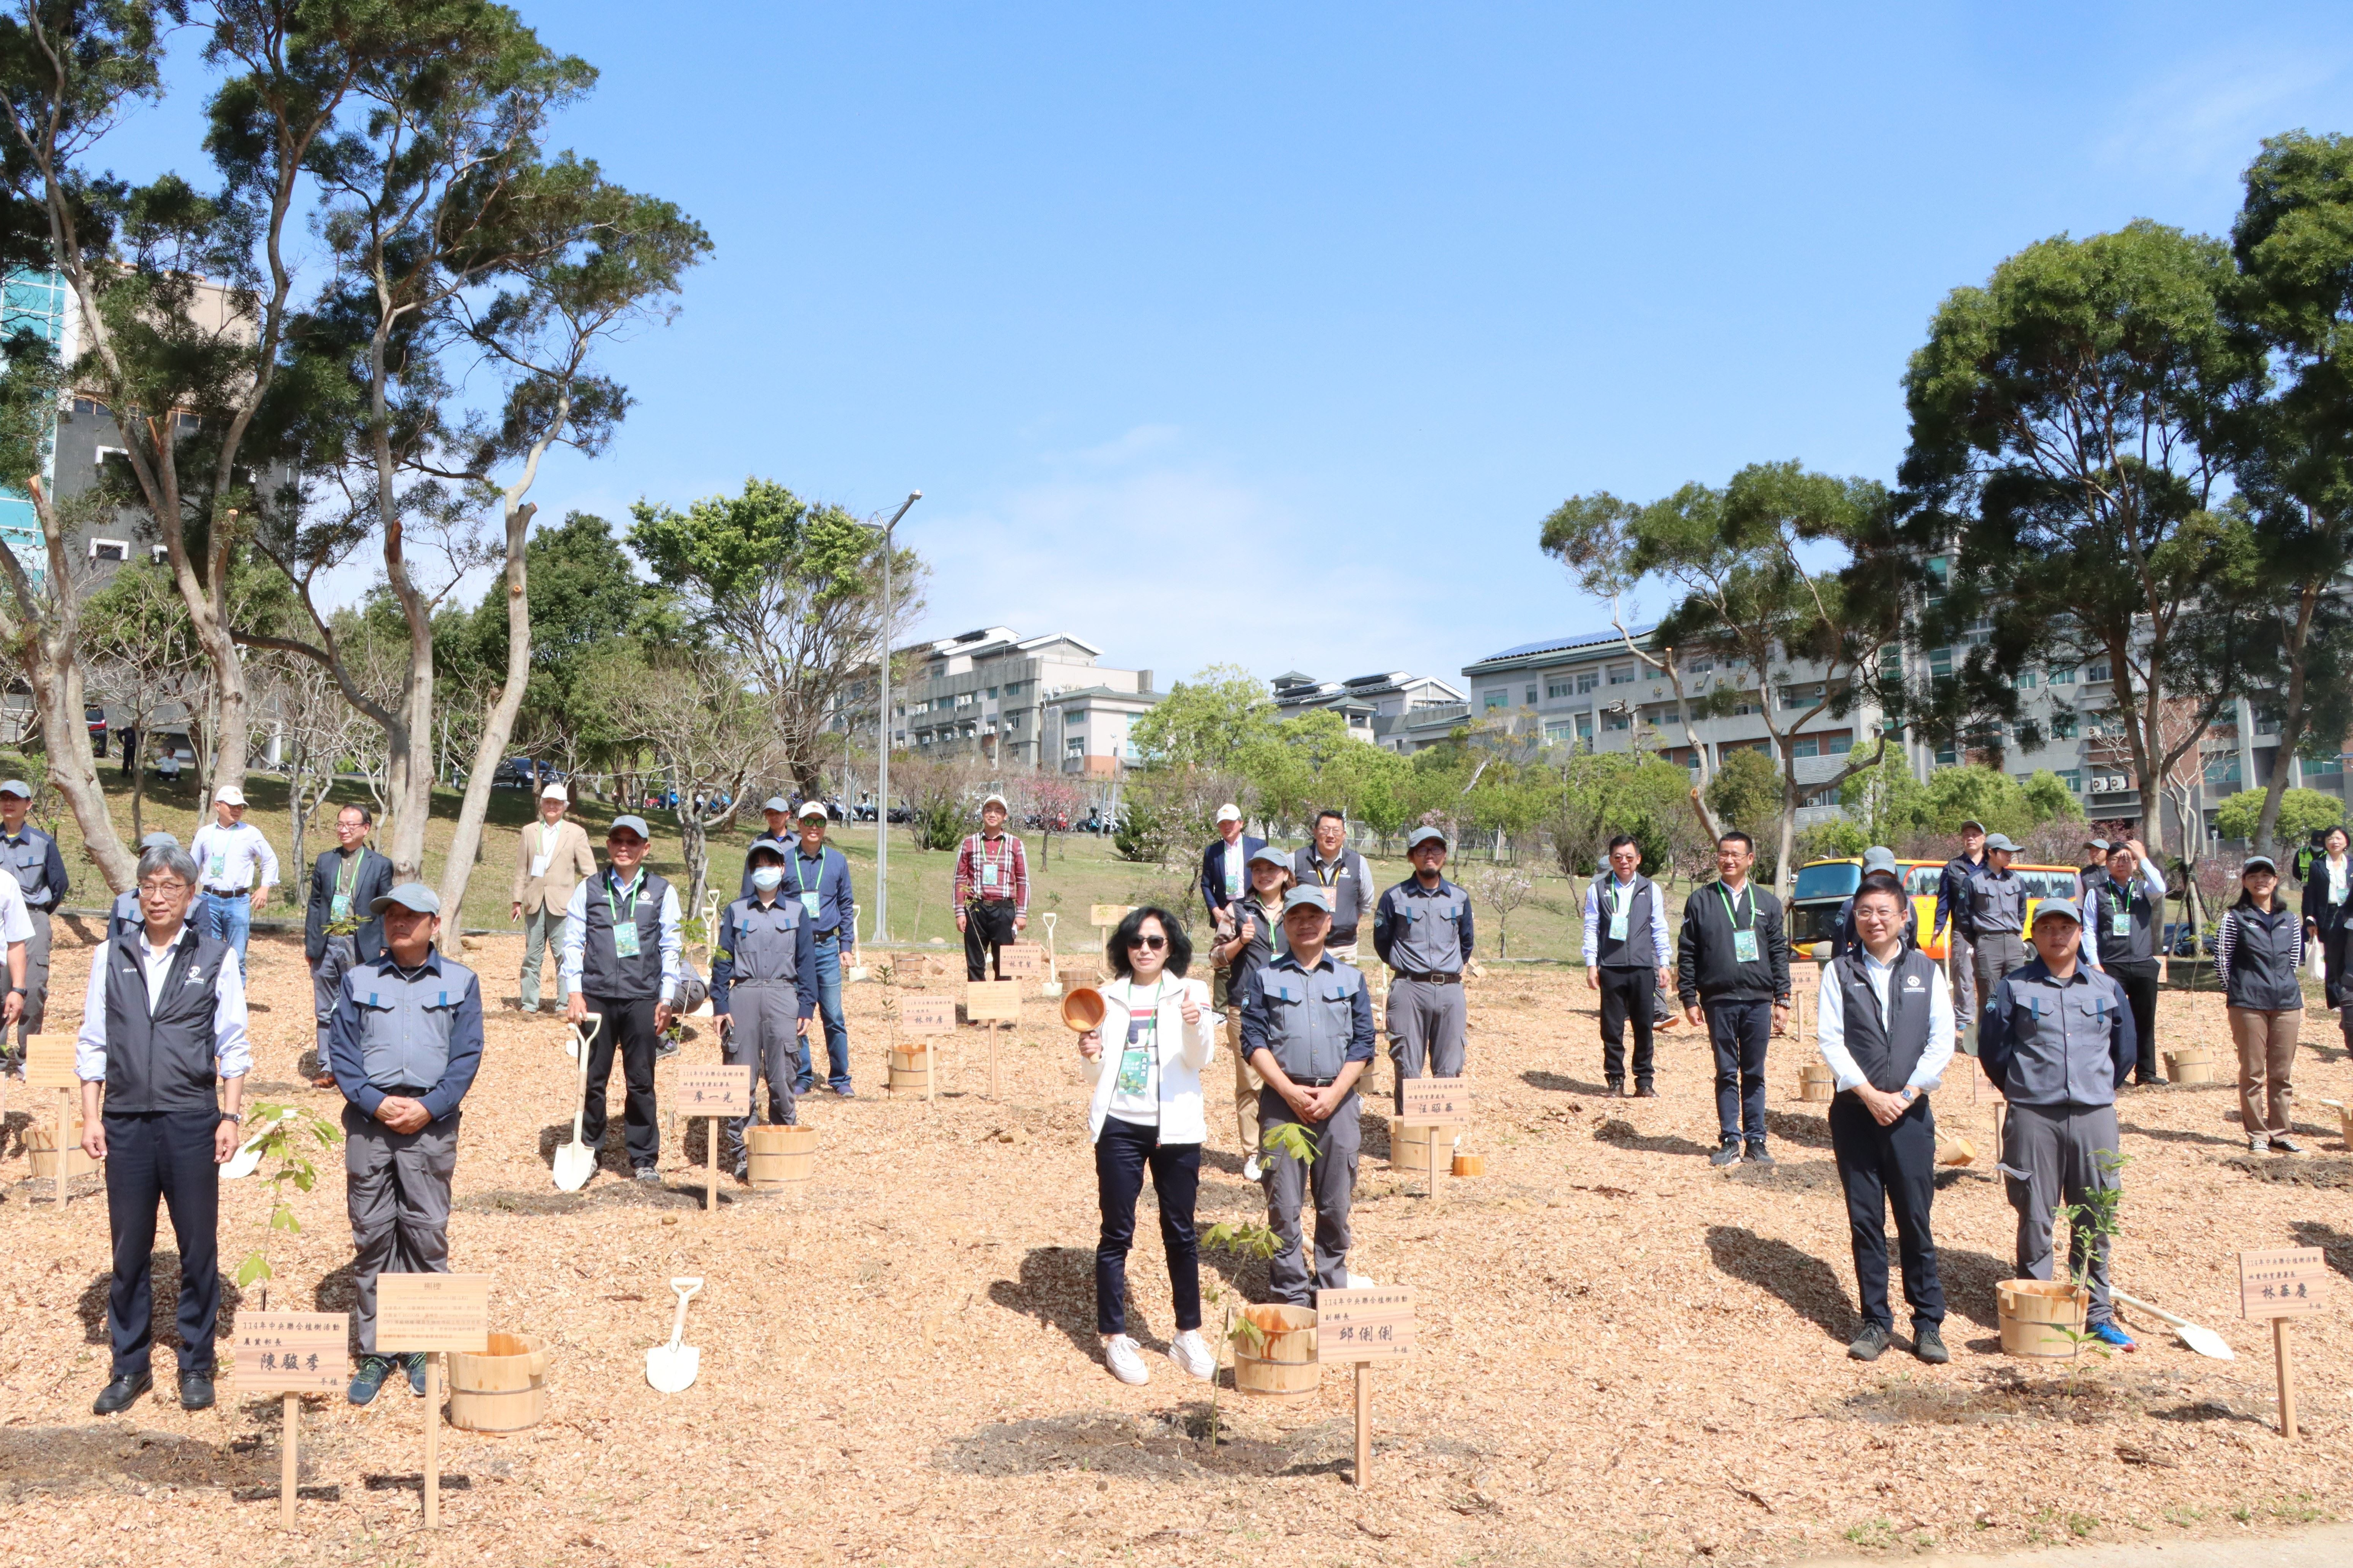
x=1364, y=1327
x=713, y=1093
x=50, y=1064
x=2281, y=1283
x=928, y=1016
x=432, y=1313
x=1432, y=1103
x=291, y=1354
x=1021, y=961
x=1107, y=915
x=993, y=1002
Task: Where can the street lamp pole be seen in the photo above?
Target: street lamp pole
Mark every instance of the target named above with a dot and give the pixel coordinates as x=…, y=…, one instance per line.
x=882, y=744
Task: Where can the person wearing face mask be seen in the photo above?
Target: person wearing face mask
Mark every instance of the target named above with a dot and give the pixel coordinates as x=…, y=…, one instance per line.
x=2328, y=900
x=1146, y=1113
x=763, y=990
x=1255, y=939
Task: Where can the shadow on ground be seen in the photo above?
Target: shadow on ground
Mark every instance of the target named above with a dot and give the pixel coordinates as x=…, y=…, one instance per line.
x=1626, y=1135
x=1806, y=1284
x=1168, y=1445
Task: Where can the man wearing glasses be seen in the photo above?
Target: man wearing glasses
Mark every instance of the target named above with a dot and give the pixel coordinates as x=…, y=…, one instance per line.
x=622, y=941
x=165, y=1012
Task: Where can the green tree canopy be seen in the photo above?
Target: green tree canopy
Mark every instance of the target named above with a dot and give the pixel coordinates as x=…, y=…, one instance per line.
x=2302, y=813
x=1210, y=721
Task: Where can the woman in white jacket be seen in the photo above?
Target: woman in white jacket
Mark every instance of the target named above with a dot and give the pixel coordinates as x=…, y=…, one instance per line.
x=1147, y=1112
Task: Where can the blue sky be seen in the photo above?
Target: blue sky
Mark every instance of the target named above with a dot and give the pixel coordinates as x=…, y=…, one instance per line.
x=1268, y=335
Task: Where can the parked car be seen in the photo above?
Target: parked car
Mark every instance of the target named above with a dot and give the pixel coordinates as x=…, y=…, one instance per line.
x=96, y=717
x=2178, y=942
x=522, y=773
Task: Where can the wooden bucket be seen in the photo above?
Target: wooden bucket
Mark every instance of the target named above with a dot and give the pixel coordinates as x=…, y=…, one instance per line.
x=2032, y=1312
x=1409, y=1146
x=1817, y=1085
x=1282, y=1364
x=41, y=1147
x=502, y=1389
x=911, y=1068
x=780, y=1156
x=1470, y=1165
x=2192, y=1064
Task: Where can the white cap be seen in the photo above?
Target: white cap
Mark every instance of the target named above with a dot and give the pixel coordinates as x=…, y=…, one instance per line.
x=1229, y=812
x=228, y=794
x=997, y=801
x=554, y=792
x=811, y=808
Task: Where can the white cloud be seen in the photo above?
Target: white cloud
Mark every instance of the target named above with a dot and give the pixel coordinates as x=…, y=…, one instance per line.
x=2208, y=117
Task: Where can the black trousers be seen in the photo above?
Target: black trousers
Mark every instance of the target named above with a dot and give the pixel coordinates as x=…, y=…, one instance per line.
x=164, y=1156
x=1121, y=1155
x=987, y=927
x=1884, y=1167
x=628, y=1026
x=2337, y=959
x=1626, y=996
x=2139, y=981
x=1739, y=1032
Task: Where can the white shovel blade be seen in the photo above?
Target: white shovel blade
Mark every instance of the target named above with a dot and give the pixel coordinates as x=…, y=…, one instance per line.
x=574, y=1163
x=2205, y=1342
x=672, y=1368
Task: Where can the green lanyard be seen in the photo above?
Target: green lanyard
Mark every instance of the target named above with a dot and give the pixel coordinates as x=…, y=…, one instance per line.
x=349, y=877
x=1730, y=918
x=613, y=910
x=802, y=877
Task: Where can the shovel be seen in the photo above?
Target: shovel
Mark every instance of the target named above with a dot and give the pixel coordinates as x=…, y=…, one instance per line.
x=247, y=1158
x=670, y=1368
x=2205, y=1342
x=575, y=1162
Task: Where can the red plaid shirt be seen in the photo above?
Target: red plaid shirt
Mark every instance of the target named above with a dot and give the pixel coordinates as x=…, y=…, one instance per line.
x=1004, y=852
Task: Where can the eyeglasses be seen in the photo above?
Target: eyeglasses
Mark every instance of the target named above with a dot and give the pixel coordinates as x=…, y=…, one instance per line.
x=1151, y=943
x=162, y=890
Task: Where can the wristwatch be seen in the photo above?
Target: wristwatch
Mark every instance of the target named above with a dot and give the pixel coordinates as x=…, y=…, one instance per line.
x=237, y=1117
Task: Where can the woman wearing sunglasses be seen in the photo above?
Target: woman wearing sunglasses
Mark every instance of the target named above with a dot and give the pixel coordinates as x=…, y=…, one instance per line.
x=1147, y=1112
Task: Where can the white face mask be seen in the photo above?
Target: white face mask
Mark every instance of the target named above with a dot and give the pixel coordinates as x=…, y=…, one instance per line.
x=767, y=878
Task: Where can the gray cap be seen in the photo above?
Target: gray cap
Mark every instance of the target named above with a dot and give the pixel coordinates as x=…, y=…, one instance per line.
x=2265, y=861
x=1878, y=857
x=636, y=825
x=2000, y=841
x=772, y=845
x=1308, y=896
x=159, y=841
x=1972, y=826
x=1421, y=836
x=1268, y=854
x=408, y=895
x=2058, y=906
x=2099, y=844
x=15, y=787
x=778, y=805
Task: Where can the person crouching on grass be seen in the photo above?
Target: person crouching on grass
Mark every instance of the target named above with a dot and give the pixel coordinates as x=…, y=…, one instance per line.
x=763, y=990
x=1147, y=1112
x=1885, y=1029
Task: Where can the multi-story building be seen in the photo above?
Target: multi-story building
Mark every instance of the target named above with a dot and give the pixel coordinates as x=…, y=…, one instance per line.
x=1374, y=705
x=1025, y=703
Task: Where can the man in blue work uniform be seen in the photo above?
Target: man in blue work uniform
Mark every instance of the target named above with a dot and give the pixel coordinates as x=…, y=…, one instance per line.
x=817, y=876
x=1952, y=901
x=764, y=989
x=2057, y=1040
x=405, y=1042
x=40, y=871
x=1307, y=1024
x=1626, y=948
x=1993, y=916
x=1422, y=931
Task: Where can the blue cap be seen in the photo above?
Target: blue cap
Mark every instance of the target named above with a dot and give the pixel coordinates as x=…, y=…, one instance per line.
x=15, y=787
x=1306, y=896
x=408, y=895
x=2058, y=906
x=159, y=841
x=778, y=805
x=636, y=825
x=1268, y=854
x=1878, y=857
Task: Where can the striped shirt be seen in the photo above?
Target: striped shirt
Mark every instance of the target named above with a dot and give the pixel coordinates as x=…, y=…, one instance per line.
x=993, y=868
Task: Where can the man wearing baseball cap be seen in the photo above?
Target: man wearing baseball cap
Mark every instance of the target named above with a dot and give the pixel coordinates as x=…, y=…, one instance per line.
x=40, y=871
x=818, y=877
x=992, y=892
x=405, y=1043
x=778, y=812
x=237, y=868
x=1952, y=906
x=552, y=857
x=2094, y=868
x=622, y=942
x=1239, y=954
x=1993, y=915
x=1422, y=931
x=1225, y=866
x=2057, y=1039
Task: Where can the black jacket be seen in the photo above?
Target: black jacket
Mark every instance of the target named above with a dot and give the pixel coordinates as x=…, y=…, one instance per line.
x=374, y=880
x=1705, y=970
x=2326, y=916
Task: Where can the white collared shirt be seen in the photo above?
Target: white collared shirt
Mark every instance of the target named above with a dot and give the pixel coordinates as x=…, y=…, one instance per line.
x=234, y=859
x=1830, y=1024
x=233, y=1052
x=16, y=924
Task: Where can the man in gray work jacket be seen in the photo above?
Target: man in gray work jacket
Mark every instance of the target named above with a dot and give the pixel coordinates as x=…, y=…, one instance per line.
x=1422, y=931
x=1993, y=916
x=404, y=1044
x=40, y=871
x=1347, y=881
x=2057, y=1040
x=1307, y=1024
x=764, y=989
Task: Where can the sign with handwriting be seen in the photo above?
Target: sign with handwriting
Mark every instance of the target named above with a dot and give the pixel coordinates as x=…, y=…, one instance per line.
x=1371, y=1324
x=927, y=1014
x=2283, y=1282
x=715, y=1090
x=292, y=1352
x=1435, y=1101
x=993, y=1001
x=50, y=1062
x=1022, y=961
x=432, y=1312
x=1107, y=914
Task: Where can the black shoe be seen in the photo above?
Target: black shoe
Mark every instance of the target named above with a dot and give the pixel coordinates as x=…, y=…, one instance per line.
x=1757, y=1154
x=1869, y=1343
x=1729, y=1155
x=117, y=1395
x=367, y=1378
x=415, y=1362
x=2148, y=1083
x=1644, y=1092
x=1616, y=1089
x=196, y=1390
x=1929, y=1345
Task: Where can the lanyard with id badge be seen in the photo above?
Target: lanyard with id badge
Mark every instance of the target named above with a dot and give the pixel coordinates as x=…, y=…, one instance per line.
x=810, y=897
x=1622, y=901
x=1142, y=1048
x=339, y=908
x=1744, y=939
x=2120, y=918
x=624, y=917
x=987, y=866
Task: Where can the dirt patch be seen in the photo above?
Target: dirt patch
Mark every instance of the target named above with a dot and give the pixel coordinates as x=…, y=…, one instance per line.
x=2291, y=1170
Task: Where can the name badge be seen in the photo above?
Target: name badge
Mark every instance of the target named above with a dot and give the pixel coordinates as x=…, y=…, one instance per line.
x=2120, y=923
x=1617, y=924
x=625, y=940
x=1135, y=1061
x=219, y=863
x=988, y=876
x=1744, y=946
x=339, y=907
x=810, y=902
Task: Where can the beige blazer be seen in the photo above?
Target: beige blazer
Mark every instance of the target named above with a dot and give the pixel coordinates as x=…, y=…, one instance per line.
x=571, y=862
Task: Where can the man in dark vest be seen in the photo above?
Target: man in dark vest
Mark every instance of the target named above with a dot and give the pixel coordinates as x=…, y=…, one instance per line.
x=622, y=941
x=339, y=933
x=1885, y=1029
x=1422, y=931
x=1626, y=948
x=40, y=871
x=1346, y=876
x=165, y=1012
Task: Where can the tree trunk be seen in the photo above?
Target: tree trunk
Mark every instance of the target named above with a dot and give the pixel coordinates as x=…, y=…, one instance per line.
x=2292, y=721
x=497, y=725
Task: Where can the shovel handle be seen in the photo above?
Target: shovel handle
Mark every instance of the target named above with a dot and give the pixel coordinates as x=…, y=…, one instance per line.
x=678, y=1323
x=2162, y=1316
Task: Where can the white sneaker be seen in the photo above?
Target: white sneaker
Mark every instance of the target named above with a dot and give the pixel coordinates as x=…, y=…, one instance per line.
x=2258, y=1143
x=1191, y=1352
x=1360, y=1281
x=1120, y=1356
x=1252, y=1169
